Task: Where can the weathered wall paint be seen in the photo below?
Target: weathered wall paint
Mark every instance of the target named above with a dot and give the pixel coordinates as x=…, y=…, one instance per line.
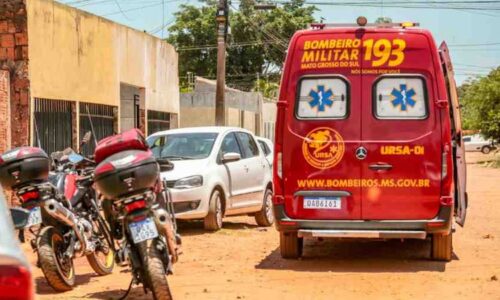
x=78, y=56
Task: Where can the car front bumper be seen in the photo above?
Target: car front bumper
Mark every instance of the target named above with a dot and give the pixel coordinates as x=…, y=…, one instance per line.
x=414, y=229
x=190, y=203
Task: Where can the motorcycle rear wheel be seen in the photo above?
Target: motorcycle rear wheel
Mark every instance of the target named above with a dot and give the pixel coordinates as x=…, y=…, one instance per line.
x=154, y=270
x=59, y=272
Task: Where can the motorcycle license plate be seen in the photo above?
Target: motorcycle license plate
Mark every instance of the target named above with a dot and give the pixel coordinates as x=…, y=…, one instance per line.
x=143, y=230
x=34, y=218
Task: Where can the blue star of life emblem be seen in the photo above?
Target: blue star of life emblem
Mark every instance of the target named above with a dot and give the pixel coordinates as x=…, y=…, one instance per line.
x=321, y=98
x=403, y=97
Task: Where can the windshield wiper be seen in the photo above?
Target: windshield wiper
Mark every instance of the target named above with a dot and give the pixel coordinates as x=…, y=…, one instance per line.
x=178, y=157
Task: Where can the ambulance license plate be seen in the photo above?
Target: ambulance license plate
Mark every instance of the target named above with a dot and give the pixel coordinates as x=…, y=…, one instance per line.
x=34, y=218
x=322, y=203
x=143, y=230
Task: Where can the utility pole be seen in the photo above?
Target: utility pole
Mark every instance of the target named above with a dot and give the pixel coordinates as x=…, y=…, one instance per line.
x=222, y=24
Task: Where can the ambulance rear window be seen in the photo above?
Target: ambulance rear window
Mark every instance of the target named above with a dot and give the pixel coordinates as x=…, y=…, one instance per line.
x=400, y=97
x=322, y=98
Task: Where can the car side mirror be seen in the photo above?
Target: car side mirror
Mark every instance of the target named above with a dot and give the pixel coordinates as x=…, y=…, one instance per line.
x=19, y=217
x=231, y=156
x=165, y=165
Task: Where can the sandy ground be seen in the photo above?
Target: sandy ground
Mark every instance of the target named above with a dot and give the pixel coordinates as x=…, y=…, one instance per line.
x=242, y=262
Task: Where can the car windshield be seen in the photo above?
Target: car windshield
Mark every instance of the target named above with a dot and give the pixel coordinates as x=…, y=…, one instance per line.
x=181, y=146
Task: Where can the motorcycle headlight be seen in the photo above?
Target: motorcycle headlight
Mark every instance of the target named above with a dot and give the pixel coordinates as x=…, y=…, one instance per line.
x=189, y=182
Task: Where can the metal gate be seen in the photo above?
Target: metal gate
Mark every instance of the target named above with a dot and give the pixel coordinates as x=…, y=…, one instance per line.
x=158, y=121
x=97, y=118
x=53, y=124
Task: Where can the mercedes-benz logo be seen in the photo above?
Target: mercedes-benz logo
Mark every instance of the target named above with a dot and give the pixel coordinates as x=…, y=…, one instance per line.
x=361, y=153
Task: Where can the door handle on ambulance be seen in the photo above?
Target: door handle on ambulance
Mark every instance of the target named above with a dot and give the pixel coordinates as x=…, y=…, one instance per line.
x=380, y=166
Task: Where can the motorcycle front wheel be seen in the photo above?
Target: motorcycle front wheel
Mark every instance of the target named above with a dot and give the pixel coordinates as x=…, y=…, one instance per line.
x=57, y=269
x=154, y=270
x=102, y=260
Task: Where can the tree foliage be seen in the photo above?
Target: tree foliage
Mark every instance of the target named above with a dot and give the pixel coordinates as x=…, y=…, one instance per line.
x=480, y=98
x=256, y=44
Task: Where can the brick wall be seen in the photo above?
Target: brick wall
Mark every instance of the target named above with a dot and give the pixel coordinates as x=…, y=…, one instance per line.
x=14, y=59
x=4, y=111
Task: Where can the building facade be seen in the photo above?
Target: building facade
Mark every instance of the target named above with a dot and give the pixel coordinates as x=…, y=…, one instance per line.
x=64, y=72
x=248, y=110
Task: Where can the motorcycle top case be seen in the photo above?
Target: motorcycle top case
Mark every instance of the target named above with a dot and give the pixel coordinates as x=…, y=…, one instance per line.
x=126, y=173
x=132, y=139
x=23, y=165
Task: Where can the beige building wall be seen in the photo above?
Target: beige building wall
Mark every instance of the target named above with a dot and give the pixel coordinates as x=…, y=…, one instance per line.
x=233, y=117
x=77, y=56
x=197, y=116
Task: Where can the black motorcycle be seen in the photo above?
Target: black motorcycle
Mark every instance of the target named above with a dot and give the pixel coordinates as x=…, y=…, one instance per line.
x=140, y=212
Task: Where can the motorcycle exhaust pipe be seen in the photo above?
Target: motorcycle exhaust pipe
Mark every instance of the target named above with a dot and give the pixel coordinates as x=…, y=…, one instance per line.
x=164, y=223
x=65, y=216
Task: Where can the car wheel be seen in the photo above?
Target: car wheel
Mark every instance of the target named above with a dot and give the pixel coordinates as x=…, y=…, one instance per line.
x=290, y=245
x=213, y=221
x=442, y=247
x=485, y=150
x=265, y=217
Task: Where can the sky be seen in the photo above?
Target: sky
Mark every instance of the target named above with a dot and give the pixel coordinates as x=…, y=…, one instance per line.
x=469, y=28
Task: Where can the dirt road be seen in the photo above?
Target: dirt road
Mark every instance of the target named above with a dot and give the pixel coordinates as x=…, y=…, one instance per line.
x=242, y=262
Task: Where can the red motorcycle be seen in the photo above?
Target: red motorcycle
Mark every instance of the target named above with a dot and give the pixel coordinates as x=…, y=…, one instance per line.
x=61, y=212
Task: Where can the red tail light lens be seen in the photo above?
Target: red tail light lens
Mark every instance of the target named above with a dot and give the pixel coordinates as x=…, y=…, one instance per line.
x=138, y=204
x=31, y=195
x=15, y=282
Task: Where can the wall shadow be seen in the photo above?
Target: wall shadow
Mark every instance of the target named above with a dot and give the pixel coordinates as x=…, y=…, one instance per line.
x=363, y=256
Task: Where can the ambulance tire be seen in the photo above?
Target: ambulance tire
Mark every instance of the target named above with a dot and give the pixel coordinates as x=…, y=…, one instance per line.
x=442, y=247
x=290, y=245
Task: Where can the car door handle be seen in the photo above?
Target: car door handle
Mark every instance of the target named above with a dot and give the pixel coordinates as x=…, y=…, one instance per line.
x=380, y=166
x=245, y=168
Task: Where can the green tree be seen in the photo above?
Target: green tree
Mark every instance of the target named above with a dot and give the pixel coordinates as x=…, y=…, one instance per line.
x=257, y=42
x=480, y=98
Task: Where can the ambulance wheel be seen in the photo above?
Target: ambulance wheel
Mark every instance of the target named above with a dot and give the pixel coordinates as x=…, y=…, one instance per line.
x=290, y=245
x=485, y=150
x=442, y=247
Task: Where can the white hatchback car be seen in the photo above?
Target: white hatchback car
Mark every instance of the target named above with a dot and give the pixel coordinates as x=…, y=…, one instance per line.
x=218, y=171
x=477, y=142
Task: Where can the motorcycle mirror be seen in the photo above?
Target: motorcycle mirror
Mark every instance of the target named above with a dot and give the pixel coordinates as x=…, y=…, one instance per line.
x=75, y=158
x=86, y=138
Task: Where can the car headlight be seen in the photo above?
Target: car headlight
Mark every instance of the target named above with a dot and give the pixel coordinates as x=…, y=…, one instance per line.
x=189, y=182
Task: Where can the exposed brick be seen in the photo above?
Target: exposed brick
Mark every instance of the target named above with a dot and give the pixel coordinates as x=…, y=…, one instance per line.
x=25, y=52
x=7, y=40
x=7, y=54
x=3, y=53
x=21, y=52
x=24, y=97
x=12, y=28
x=22, y=83
x=21, y=39
x=4, y=27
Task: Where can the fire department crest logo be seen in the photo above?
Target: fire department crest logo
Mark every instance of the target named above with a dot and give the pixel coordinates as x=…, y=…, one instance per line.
x=323, y=148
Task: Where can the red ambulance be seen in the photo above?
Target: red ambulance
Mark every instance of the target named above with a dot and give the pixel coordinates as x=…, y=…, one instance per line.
x=368, y=138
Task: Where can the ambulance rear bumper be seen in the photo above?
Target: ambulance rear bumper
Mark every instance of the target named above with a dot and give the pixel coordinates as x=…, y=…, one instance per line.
x=417, y=229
